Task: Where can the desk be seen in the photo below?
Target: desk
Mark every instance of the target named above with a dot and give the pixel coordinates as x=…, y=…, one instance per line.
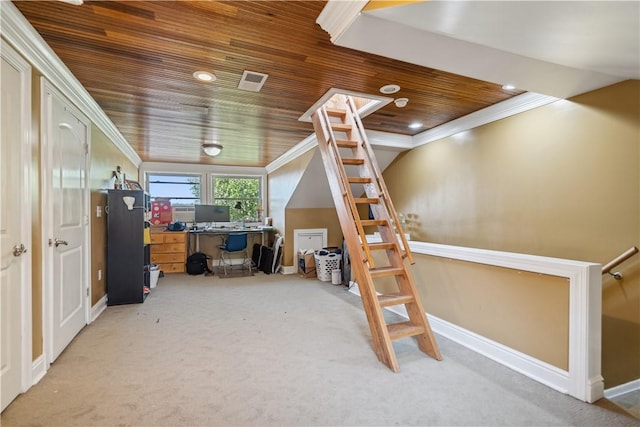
x=223, y=232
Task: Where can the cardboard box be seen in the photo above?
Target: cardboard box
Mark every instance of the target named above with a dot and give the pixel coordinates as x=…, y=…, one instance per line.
x=306, y=265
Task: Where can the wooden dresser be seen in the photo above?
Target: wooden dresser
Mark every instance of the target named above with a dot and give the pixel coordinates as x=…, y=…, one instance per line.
x=169, y=250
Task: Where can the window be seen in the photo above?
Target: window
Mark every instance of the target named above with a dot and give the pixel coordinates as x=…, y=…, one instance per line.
x=180, y=190
x=241, y=193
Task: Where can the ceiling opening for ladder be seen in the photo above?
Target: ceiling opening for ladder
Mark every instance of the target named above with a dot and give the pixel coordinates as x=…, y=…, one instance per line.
x=365, y=103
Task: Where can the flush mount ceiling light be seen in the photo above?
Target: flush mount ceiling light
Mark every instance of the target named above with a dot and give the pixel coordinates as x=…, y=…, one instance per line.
x=389, y=89
x=415, y=125
x=211, y=148
x=401, y=102
x=508, y=87
x=73, y=2
x=204, y=76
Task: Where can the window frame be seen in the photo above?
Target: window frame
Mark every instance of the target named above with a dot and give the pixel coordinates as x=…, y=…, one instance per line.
x=206, y=172
x=260, y=202
x=176, y=174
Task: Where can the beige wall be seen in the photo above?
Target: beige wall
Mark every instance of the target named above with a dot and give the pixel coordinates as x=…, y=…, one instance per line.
x=488, y=300
x=105, y=157
x=37, y=335
x=281, y=184
x=561, y=180
x=300, y=218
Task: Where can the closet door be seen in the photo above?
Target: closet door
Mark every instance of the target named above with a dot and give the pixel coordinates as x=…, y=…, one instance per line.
x=65, y=150
x=15, y=223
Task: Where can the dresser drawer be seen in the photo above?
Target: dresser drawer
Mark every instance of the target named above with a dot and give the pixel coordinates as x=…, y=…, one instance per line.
x=169, y=250
x=168, y=247
x=168, y=237
x=160, y=258
x=157, y=238
x=174, y=237
x=172, y=268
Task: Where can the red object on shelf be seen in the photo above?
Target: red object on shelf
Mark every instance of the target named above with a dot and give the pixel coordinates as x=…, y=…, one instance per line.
x=161, y=212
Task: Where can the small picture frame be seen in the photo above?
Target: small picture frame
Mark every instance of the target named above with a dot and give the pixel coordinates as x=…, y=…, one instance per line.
x=133, y=185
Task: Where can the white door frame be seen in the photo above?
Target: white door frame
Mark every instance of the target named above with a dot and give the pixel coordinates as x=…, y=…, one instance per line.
x=47, y=221
x=26, y=144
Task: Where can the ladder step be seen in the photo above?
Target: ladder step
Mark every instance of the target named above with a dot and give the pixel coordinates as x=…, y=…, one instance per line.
x=370, y=222
x=352, y=161
x=395, y=299
x=404, y=329
x=341, y=127
x=346, y=144
x=367, y=200
x=359, y=180
x=386, y=271
x=336, y=112
x=382, y=246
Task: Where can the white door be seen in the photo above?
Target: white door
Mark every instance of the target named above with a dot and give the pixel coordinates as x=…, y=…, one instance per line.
x=65, y=146
x=15, y=286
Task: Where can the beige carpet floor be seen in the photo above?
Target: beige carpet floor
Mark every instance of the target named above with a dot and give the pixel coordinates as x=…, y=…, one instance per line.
x=273, y=350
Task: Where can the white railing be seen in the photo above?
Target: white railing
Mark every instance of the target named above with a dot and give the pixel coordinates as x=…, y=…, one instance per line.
x=583, y=379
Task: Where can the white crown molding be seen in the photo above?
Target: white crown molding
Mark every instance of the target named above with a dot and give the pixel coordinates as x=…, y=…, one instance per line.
x=389, y=140
x=510, y=107
x=337, y=16
x=23, y=37
x=293, y=153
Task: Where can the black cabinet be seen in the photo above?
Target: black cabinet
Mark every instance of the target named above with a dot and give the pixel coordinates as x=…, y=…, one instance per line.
x=127, y=254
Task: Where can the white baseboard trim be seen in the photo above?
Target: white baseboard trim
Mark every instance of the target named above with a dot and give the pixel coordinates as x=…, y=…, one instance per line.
x=98, y=308
x=618, y=390
x=289, y=269
x=38, y=370
x=531, y=367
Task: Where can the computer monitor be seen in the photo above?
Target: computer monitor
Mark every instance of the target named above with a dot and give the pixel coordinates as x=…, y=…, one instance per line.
x=211, y=213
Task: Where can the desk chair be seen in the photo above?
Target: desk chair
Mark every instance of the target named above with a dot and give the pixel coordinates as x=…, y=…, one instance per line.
x=236, y=243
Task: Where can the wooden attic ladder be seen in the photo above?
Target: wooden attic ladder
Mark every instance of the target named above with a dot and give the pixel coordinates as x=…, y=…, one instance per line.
x=349, y=160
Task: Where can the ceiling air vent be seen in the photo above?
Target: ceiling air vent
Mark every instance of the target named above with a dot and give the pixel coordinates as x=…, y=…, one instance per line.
x=252, y=81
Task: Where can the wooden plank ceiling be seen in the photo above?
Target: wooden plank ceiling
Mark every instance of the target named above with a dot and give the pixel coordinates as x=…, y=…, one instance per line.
x=137, y=60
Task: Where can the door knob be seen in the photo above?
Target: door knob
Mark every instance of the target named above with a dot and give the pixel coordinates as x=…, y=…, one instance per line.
x=19, y=250
x=57, y=242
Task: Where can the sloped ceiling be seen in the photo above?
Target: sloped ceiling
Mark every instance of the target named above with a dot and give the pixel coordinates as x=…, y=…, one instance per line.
x=556, y=48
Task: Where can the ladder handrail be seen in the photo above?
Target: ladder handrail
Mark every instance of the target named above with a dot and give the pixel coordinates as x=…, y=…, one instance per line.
x=328, y=121
x=378, y=174
x=345, y=187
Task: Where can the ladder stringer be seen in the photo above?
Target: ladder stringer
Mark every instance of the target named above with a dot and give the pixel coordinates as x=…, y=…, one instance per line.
x=335, y=163
x=385, y=219
x=379, y=333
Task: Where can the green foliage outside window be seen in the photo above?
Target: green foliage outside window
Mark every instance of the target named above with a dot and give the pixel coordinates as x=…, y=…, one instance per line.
x=241, y=194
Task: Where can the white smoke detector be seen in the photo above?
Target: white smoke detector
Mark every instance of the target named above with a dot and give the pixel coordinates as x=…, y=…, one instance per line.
x=401, y=102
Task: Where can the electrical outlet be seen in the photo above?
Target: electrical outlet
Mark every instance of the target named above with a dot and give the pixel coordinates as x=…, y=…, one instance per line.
x=98, y=211
x=99, y=274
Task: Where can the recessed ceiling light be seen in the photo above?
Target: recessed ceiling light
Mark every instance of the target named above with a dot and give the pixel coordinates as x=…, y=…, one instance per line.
x=415, y=125
x=389, y=89
x=401, y=102
x=204, y=76
x=508, y=87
